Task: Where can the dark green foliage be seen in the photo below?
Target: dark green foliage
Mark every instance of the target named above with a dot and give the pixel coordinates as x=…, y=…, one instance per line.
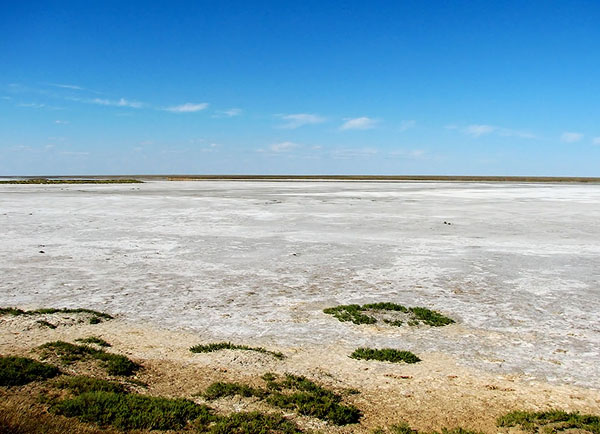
x=72, y=181
x=350, y=312
x=132, y=411
x=365, y=314
x=293, y=393
x=49, y=311
x=551, y=421
x=209, y=348
x=82, y=384
x=430, y=317
x=385, y=354
x=253, y=423
x=115, y=364
x=95, y=320
x=16, y=371
x=94, y=340
x=43, y=323
x=404, y=428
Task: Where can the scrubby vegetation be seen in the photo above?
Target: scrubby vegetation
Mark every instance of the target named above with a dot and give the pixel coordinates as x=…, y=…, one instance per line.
x=115, y=364
x=93, y=340
x=404, y=428
x=43, y=323
x=385, y=355
x=71, y=181
x=252, y=423
x=49, y=311
x=293, y=393
x=374, y=312
x=551, y=421
x=208, y=348
x=16, y=371
x=82, y=384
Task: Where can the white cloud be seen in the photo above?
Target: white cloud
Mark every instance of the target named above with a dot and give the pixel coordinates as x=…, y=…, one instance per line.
x=283, y=147
x=300, y=119
x=59, y=122
x=405, y=125
x=362, y=123
x=67, y=86
x=188, y=107
x=571, y=137
x=231, y=112
x=479, y=130
x=596, y=140
x=32, y=105
x=411, y=154
x=347, y=153
x=120, y=103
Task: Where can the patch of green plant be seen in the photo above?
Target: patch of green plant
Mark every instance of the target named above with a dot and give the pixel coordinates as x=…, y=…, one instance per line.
x=350, y=312
x=133, y=411
x=115, y=364
x=71, y=181
x=367, y=314
x=16, y=371
x=385, y=355
x=293, y=393
x=252, y=423
x=404, y=428
x=82, y=384
x=550, y=421
x=209, y=348
x=43, y=323
x=48, y=311
x=93, y=340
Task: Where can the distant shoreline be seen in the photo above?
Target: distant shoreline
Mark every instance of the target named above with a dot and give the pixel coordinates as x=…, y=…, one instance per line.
x=385, y=178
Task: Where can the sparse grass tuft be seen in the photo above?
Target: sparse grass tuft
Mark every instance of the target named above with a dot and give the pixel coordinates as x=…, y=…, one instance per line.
x=93, y=340
x=293, y=393
x=550, y=421
x=16, y=371
x=404, y=428
x=115, y=364
x=372, y=313
x=48, y=311
x=82, y=384
x=209, y=348
x=385, y=355
x=132, y=411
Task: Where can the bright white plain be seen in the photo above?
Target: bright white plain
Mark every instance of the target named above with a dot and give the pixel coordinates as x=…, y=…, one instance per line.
x=256, y=262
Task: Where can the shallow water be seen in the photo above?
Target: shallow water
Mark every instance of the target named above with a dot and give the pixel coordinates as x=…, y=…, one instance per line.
x=518, y=267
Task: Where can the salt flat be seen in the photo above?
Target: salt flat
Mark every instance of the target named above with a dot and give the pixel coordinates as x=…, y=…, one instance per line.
x=256, y=262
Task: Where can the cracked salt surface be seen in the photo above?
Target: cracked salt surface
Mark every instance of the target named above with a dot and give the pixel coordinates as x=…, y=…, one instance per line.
x=256, y=262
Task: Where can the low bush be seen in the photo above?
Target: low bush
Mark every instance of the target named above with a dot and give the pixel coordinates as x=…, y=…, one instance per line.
x=209, y=348
x=16, y=371
x=385, y=355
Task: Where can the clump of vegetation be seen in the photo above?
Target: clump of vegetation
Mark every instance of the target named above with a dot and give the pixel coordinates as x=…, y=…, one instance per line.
x=133, y=411
x=43, y=323
x=293, y=393
x=71, y=181
x=551, y=421
x=82, y=384
x=115, y=364
x=94, y=340
x=404, y=428
x=208, y=348
x=96, y=318
x=16, y=371
x=254, y=422
x=385, y=355
x=372, y=313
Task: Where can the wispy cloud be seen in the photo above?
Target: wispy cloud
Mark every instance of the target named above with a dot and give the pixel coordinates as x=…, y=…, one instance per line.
x=283, y=146
x=571, y=137
x=298, y=120
x=122, y=102
x=596, y=140
x=31, y=105
x=188, y=107
x=67, y=86
x=362, y=123
x=227, y=113
x=406, y=125
x=410, y=154
x=348, y=153
x=59, y=122
x=478, y=130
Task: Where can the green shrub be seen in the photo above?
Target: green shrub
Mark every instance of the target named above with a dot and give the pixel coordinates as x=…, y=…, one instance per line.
x=82, y=384
x=385, y=355
x=132, y=411
x=48, y=311
x=209, y=348
x=550, y=421
x=350, y=312
x=430, y=317
x=93, y=340
x=253, y=423
x=364, y=314
x=16, y=371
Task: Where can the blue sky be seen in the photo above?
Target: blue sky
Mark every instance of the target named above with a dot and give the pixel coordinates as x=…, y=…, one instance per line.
x=312, y=87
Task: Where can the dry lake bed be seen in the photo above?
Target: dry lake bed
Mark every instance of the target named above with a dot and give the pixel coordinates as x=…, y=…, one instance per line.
x=517, y=266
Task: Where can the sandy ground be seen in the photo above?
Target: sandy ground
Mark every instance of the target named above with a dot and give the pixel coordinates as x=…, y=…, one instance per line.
x=182, y=263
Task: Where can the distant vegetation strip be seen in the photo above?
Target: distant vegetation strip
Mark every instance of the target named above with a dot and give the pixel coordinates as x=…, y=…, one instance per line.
x=209, y=348
x=48, y=311
x=397, y=314
x=71, y=181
